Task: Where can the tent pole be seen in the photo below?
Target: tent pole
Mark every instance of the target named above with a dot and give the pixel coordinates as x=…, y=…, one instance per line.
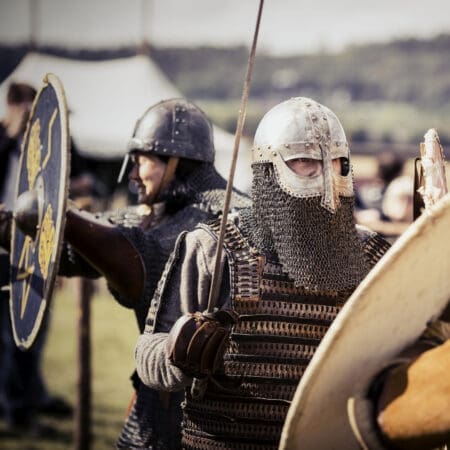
x=34, y=8
x=144, y=47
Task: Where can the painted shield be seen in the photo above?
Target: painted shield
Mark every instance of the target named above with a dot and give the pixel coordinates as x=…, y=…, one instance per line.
x=43, y=171
x=388, y=311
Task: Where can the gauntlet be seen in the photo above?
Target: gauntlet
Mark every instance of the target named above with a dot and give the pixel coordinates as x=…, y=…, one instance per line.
x=197, y=341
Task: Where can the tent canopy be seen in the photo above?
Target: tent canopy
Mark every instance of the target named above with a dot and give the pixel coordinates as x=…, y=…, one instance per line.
x=105, y=98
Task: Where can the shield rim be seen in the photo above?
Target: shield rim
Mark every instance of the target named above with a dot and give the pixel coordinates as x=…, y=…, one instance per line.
x=52, y=80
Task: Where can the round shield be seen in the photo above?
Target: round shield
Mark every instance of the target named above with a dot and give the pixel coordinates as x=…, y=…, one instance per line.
x=43, y=173
x=409, y=287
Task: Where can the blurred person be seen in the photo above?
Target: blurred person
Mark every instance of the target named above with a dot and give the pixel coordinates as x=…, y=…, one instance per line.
x=290, y=262
x=397, y=204
x=83, y=182
x=173, y=174
x=23, y=392
x=385, y=205
x=370, y=195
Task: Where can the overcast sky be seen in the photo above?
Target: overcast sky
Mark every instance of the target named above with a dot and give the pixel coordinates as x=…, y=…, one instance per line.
x=288, y=26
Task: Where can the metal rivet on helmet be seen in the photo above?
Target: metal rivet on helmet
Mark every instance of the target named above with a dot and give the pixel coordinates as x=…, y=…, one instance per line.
x=192, y=138
x=302, y=128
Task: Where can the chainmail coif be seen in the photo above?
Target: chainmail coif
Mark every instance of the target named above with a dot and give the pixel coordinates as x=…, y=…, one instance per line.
x=204, y=187
x=319, y=250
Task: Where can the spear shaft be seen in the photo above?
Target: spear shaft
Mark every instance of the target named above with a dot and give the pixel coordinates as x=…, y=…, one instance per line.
x=217, y=274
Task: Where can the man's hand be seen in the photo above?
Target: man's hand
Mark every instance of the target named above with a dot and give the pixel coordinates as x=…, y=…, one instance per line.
x=414, y=406
x=197, y=341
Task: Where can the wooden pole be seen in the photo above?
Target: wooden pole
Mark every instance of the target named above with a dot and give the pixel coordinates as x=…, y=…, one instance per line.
x=34, y=8
x=83, y=419
x=83, y=432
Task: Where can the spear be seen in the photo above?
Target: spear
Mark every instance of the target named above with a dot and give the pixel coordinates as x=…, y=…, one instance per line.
x=217, y=273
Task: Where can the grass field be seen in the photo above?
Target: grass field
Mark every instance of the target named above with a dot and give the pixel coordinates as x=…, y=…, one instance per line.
x=114, y=334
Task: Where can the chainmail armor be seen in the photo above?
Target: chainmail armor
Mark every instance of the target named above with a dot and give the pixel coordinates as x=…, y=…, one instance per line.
x=204, y=188
x=280, y=327
x=149, y=426
x=317, y=248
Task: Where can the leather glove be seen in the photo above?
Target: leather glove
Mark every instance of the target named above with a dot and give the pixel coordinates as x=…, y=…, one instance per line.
x=414, y=405
x=197, y=341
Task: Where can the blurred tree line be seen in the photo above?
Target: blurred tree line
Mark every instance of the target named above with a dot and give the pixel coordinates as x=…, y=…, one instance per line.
x=413, y=71
x=390, y=92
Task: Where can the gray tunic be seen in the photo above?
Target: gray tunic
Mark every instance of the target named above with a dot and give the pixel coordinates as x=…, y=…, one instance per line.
x=183, y=289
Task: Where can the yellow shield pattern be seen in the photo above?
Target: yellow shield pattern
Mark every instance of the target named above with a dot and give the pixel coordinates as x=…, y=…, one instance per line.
x=44, y=169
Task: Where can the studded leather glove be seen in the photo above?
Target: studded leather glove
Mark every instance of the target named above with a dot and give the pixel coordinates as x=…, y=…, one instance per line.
x=197, y=341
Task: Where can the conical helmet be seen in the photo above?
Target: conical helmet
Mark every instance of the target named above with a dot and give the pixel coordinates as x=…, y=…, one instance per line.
x=303, y=128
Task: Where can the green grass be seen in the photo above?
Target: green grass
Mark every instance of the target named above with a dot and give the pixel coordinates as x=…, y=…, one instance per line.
x=114, y=333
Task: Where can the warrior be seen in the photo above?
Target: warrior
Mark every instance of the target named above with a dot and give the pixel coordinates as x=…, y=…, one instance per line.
x=177, y=185
x=290, y=262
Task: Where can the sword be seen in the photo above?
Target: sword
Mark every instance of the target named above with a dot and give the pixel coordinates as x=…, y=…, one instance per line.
x=217, y=273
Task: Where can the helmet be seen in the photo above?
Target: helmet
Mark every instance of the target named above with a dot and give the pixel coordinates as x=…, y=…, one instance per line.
x=303, y=128
x=174, y=127
x=307, y=221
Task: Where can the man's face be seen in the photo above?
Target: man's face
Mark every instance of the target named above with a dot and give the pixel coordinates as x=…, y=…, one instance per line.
x=147, y=173
x=307, y=167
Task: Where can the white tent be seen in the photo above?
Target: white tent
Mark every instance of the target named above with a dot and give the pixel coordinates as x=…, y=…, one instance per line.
x=105, y=98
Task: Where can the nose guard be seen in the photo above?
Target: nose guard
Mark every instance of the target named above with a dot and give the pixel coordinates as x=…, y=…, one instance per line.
x=303, y=128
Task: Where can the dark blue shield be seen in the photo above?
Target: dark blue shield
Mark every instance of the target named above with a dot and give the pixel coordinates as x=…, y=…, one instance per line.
x=44, y=169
